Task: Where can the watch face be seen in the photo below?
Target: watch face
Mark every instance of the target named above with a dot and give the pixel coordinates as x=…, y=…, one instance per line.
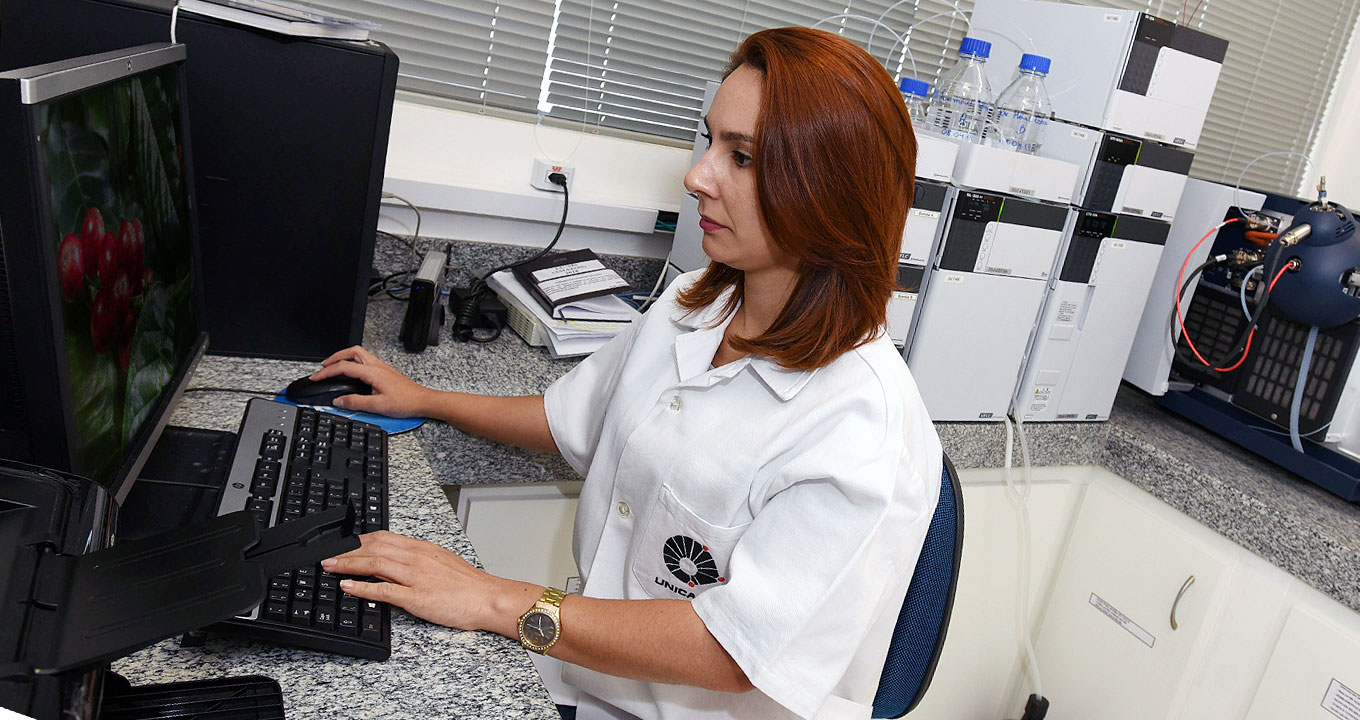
x=539, y=629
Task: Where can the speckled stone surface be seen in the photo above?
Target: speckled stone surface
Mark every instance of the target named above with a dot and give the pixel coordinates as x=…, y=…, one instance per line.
x=434, y=672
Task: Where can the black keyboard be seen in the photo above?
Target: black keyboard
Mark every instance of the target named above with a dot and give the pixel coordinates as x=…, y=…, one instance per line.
x=290, y=462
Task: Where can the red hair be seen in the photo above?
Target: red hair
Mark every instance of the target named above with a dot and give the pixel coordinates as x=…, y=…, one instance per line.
x=835, y=166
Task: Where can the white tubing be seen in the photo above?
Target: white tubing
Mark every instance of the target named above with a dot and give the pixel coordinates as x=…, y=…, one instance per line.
x=1299, y=387
x=1018, y=502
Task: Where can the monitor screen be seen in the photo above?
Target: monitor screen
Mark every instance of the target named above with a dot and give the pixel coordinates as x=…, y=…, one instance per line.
x=112, y=163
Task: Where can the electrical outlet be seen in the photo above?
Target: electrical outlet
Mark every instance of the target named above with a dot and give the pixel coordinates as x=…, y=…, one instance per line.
x=543, y=168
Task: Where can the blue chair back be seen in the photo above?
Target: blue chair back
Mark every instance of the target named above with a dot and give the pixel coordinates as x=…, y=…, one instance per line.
x=924, y=620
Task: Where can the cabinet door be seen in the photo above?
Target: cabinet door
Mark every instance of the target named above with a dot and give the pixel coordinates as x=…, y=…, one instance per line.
x=1107, y=649
x=982, y=651
x=1314, y=672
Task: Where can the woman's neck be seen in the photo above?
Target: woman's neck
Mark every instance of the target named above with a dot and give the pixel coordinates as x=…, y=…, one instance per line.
x=763, y=296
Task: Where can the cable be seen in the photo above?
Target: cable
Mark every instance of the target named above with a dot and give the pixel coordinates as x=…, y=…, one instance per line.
x=660, y=278
x=1246, y=280
x=1299, y=387
x=1237, y=190
x=466, y=305
x=415, y=239
x=174, y=20
x=1019, y=502
x=1244, y=342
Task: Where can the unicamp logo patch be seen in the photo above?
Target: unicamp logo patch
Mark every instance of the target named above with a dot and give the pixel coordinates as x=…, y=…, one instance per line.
x=690, y=562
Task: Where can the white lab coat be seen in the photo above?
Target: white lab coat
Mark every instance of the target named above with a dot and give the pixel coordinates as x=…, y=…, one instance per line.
x=790, y=506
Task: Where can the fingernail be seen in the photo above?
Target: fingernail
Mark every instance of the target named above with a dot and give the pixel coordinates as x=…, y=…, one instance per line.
x=328, y=563
x=341, y=402
x=346, y=584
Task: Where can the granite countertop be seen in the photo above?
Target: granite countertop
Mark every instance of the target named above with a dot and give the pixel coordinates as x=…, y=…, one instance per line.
x=1296, y=525
x=433, y=671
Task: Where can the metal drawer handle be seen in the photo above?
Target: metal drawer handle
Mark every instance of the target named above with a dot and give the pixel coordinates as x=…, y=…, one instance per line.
x=1188, y=582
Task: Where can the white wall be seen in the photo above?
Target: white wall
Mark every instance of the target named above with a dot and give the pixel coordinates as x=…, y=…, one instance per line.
x=469, y=174
x=1336, y=154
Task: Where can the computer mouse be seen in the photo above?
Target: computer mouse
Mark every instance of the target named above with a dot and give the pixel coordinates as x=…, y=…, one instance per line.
x=306, y=391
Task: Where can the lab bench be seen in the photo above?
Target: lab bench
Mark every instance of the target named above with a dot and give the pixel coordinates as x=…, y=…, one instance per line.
x=1294, y=525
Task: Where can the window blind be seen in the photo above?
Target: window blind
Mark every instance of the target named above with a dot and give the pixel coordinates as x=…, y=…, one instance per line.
x=487, y=52
x=639, y=66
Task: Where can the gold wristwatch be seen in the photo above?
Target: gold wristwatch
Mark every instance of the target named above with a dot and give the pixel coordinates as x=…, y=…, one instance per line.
x=542, y=625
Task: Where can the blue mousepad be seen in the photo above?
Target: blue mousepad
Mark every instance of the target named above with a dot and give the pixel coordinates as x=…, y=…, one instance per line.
x=389, y=424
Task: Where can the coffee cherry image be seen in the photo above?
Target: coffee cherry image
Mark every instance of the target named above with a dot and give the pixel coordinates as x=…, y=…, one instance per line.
x=103, y=320
x=92, y=232
x=130, y=248
x=71, y=267
x=108, y=260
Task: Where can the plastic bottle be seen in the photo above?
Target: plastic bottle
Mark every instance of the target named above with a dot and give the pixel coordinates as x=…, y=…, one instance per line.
x=961, y=101
x=915, y=94
x=1023, y=109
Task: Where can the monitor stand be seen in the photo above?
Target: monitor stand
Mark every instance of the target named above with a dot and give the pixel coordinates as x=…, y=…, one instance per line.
x=180, y=484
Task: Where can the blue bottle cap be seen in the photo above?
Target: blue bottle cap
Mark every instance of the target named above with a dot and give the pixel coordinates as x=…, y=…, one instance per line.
x=1037, y=63
x=912, y=86
x=973, y=46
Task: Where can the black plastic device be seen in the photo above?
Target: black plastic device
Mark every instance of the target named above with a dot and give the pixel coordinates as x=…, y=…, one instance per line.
x=425, y=310
x=289, y=150
x=68, y=603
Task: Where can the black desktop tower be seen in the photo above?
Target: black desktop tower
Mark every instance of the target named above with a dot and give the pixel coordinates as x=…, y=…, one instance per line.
x=290, y=143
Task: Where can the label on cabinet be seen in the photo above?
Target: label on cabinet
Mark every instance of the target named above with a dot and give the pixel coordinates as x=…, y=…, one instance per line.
x=1342, y=701
x=1123, y=621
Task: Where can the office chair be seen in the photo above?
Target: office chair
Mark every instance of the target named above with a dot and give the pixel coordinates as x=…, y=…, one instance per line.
x=924, y=620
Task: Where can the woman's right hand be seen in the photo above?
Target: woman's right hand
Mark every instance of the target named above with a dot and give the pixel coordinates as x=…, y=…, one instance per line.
x=394, y=394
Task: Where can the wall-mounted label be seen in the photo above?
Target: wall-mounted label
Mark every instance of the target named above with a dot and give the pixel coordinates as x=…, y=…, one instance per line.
x=1122, y=620
x=1341, y=701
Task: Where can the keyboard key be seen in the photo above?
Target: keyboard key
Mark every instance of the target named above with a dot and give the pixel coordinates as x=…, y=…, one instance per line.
x=303, y=594
x=325, y=618
x=301, y=614
x=325, y=596
x=372, y=628
x=276, y=611
x=349, y=623
x=281, y=582
x=305, y=582
x=278, y=596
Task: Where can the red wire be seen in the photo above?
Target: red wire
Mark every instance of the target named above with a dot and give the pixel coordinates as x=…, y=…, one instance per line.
x=1247, y=348
x=1180, y=277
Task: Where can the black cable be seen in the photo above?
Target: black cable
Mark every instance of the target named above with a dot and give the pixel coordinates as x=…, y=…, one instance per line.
x=1233, y=355
x=561, y=224
x=466, y=305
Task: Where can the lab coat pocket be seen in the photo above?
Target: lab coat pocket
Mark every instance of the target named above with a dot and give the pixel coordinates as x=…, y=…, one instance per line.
x=679, y=554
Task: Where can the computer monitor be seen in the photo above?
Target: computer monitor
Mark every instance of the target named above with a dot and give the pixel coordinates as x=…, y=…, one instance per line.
x=100, y=288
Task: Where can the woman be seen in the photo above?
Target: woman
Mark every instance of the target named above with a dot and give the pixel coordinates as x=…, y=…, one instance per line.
x=760, y=470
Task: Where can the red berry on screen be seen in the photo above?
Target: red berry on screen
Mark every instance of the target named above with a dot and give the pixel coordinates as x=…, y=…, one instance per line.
x=108, y=260
x=71, y=267
x=141, y=241
x=122, y=295
x=92, y=230
x=102, y=315
x=128, y=254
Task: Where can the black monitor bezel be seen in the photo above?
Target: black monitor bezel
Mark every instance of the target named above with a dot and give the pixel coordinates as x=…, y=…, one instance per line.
x=55, y=449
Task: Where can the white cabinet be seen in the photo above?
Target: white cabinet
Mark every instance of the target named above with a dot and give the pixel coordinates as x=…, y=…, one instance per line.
x=1108, y=648
x=1314, y=671
x=981, y=657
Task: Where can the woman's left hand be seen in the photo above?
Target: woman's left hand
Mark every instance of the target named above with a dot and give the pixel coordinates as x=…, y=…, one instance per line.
x=432, y=583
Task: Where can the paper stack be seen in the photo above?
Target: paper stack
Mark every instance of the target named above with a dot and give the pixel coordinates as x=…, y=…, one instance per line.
x=593, y=322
